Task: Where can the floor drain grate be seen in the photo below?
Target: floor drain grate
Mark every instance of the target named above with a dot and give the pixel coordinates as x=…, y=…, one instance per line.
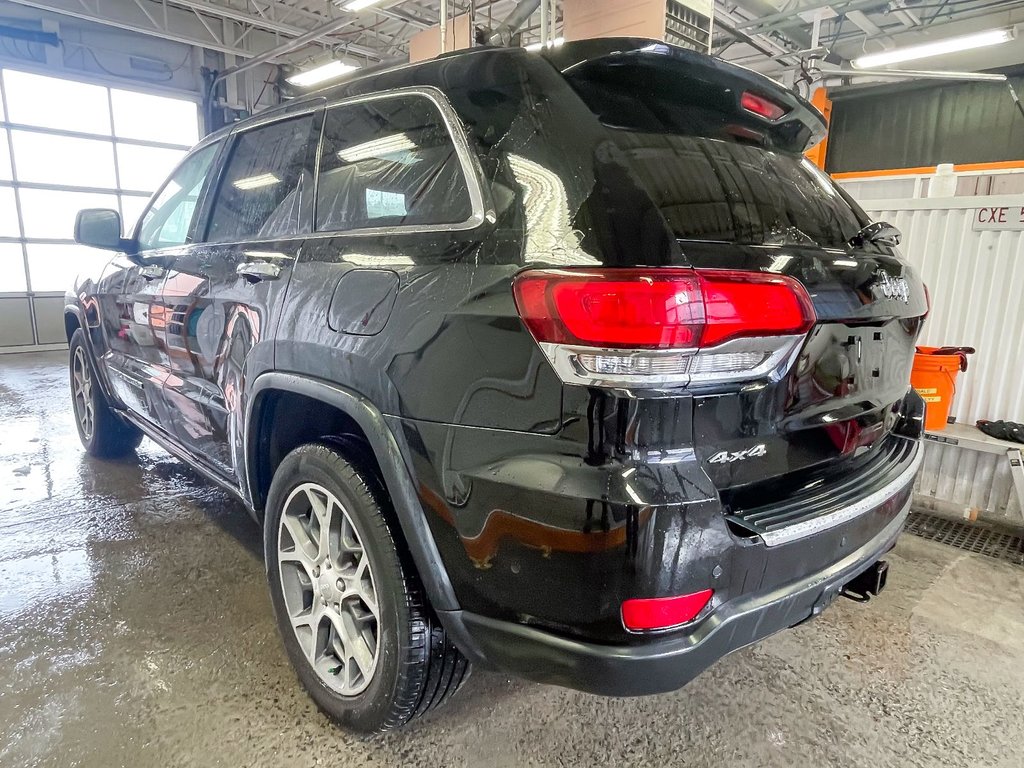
x=973, y=538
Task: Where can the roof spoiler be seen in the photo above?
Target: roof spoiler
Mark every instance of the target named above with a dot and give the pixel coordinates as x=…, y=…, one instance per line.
x=572, y=55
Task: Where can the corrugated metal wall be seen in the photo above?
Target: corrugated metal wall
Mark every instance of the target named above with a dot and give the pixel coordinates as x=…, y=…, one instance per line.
x=962, y=482
x=976, y=280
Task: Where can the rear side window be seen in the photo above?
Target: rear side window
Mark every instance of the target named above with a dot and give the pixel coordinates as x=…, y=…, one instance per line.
x=389, y=162
x=266, y=190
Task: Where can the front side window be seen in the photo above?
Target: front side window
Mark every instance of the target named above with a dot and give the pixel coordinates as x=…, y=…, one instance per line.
x=167, y=221
x=267, y=187
x=389, y=162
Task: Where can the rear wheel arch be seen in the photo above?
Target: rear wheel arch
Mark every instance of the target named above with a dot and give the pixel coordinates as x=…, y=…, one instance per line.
x=335, y=415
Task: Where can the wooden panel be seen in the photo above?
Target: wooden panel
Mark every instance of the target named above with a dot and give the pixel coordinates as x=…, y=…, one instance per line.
x=427, y=44
x=613, y=18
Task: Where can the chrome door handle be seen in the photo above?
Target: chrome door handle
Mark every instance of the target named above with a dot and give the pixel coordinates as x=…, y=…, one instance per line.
x=254, y=271
x=152, y=272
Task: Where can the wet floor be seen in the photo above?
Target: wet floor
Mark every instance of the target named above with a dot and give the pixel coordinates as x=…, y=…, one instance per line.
x=135, y=630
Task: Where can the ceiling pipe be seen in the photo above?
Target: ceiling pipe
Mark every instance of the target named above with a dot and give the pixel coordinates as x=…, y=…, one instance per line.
x=519, y=16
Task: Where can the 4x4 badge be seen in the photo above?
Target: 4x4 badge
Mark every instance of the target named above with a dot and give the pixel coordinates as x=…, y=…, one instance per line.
x=893, y=287
x=728, y=457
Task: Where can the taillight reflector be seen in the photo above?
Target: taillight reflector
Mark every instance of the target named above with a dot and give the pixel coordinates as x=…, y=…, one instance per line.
x=645, y=614
x=761, y=106
x=664, y=308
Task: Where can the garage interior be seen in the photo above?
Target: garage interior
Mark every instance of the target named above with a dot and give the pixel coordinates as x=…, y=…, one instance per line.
x=135, y=624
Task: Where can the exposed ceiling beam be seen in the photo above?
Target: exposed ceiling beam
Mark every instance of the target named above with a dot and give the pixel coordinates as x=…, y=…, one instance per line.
x=763, y=8
x=174, y=24
x=290, y=30
x=866, y=25
x=290, y=45
x=788, y=19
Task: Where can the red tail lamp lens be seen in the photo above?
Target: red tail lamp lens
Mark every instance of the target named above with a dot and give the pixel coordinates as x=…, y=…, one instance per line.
x=644, y=614
x=623, y=308
x=752, y=304
x=664, y=308
x=761, y=106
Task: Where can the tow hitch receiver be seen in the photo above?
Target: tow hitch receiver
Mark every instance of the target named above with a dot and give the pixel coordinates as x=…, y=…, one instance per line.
x=870, y=582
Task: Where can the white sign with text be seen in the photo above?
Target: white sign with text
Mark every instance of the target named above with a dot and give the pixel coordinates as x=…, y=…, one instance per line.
x=999, y=217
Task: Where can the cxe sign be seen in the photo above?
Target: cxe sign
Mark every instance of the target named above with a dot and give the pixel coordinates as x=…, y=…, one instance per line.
x=999, y=217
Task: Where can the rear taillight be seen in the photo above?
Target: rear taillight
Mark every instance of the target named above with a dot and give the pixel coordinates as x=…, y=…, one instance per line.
x=663, y=327
x=761, y=106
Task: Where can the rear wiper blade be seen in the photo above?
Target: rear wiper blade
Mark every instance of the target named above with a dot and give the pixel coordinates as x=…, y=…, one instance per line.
x=876, y=233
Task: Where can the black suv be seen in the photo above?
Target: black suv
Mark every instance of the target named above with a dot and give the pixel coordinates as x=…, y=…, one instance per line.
x=569, y=364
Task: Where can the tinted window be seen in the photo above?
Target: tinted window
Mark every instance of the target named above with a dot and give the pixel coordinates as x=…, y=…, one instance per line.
x=167, y=221
x=267, y=186
x=715, y=171
x=709, y=189
x=388, y=162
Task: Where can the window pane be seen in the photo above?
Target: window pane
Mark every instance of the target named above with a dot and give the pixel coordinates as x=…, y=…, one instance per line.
x=389, y=162
x=62, y=160
x=12, y=269
x=54, y=267
x=55, y=103
x=8, y=213
x=51, y=214
x=145, y=168
x=267, y=187
x=168, y=220
x=132, y=207
x=155, y=118
x=5, y=158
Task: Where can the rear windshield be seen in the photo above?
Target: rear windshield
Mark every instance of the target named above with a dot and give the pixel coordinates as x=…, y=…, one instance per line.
x=715, y=173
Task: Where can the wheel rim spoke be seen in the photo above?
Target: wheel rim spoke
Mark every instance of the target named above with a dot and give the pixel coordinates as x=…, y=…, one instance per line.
x=82, y=393
x=329, y=589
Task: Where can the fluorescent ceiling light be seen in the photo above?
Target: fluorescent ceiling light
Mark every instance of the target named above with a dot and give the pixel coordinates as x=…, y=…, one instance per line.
x=358, y=5
x=385, y=146
x=950, y=45
x=255, y=182
x=319, y=74
x=551, y=44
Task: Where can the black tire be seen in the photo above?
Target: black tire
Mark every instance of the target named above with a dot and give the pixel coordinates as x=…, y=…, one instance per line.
x=417, y=667
x=103, y=433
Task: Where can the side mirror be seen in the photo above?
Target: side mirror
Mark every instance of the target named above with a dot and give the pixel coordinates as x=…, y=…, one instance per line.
x=877, y=233
x=99, y=228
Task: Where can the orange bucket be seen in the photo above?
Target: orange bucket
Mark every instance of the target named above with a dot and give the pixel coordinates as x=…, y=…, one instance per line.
x=934, y=378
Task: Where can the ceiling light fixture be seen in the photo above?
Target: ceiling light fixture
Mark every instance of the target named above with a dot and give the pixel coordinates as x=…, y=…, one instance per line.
x=255, y=182
x=950, y=45
x=358, y=5
x=328, y=71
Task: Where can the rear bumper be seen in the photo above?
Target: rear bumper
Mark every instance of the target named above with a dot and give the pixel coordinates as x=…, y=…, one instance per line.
x=667, y=663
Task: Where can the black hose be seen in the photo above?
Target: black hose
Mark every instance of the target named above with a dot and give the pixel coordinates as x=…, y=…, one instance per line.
x=1015, y=97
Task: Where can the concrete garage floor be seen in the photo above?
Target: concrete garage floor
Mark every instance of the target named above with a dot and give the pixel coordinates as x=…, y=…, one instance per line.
x=135, y=629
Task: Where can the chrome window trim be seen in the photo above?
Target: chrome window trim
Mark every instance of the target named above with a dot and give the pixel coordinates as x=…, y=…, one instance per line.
x=858, y=508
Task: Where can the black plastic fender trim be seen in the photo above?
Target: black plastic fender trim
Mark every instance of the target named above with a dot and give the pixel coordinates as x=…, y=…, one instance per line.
x=389, y=455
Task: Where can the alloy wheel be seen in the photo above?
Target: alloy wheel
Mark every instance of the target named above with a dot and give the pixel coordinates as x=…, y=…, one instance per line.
x=328, y=589
x=81, y=384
